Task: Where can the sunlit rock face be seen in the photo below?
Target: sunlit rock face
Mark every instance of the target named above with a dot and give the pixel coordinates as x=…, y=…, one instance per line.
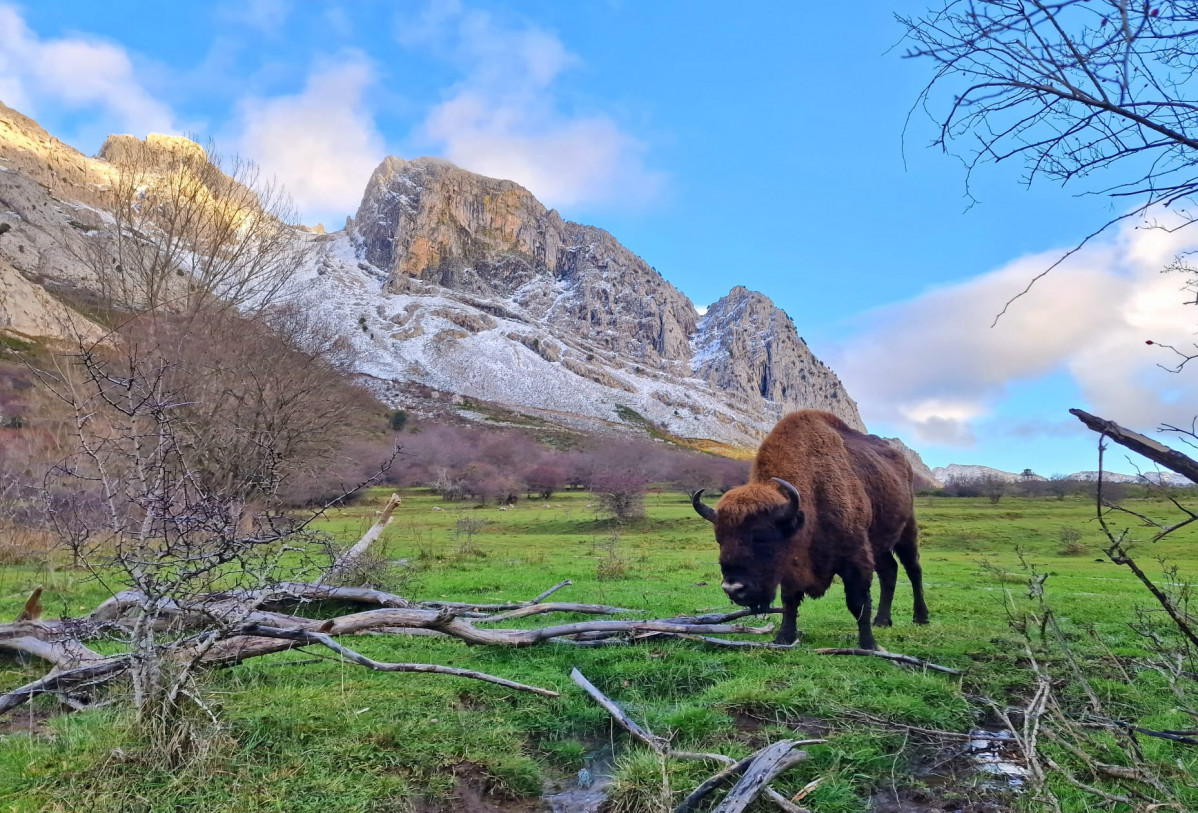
x=428, y=223
x=464, y=285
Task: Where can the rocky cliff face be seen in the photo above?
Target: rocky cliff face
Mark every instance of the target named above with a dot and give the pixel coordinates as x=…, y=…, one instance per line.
x=464, y=284
x=429, y=225
x=429, y=220
x=748, y=347
x=924, y=478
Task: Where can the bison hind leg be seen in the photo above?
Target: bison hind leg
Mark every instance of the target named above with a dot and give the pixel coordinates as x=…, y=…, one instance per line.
x=887, y=570
x=908, y=553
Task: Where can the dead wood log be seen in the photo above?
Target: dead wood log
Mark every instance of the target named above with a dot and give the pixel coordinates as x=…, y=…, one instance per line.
x=70, y=680
x=308, y=637
x=347, y=559
x=239, y=625
x=890, y=656
x=1153, y=450
x=767, y=764
x=554, y=607
x=662, y=746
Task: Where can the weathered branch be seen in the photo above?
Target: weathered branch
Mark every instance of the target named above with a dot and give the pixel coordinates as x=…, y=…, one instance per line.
x=767, y=764
x=308, y=637
x=347, y=559
x=1153, y=450
x=890, y=656
x=662, y=746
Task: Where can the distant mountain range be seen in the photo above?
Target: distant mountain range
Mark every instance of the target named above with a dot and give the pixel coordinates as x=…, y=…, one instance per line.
x=944, y=475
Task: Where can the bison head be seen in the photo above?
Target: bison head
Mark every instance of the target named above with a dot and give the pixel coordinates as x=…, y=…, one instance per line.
x=754, y=526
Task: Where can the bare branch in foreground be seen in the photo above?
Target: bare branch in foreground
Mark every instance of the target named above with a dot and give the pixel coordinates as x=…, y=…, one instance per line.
x=890, y=656
x=305, y=636
x=1156, y=452
x=662, y=746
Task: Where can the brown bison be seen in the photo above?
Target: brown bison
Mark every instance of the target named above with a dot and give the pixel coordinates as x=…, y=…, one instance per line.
x=855, y=512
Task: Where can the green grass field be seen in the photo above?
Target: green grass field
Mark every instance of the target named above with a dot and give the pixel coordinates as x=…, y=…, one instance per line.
x=323, y=736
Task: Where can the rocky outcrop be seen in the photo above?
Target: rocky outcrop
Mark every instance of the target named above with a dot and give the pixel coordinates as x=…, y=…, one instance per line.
x=433, y=227
x=748, y=346
x=460, y=283
x=428, y=220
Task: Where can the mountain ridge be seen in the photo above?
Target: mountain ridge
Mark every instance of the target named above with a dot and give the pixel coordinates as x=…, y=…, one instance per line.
x=468, y=286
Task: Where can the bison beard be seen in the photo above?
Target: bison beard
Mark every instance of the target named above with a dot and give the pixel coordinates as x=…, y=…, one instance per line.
x=856, y=516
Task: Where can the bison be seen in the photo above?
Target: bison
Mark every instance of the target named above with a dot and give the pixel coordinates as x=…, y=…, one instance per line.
x=822, y=500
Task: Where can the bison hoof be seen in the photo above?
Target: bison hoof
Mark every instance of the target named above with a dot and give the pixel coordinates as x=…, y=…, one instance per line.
x=881, y=621
x=921, y=620
x=786, y=640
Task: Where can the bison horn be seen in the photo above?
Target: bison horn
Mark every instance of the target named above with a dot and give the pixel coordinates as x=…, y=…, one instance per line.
x=705, y=511
x=792, y=493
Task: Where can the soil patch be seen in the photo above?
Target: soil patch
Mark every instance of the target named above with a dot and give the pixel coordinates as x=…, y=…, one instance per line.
x=27, y=721
x=936, y=800
x=475, y=792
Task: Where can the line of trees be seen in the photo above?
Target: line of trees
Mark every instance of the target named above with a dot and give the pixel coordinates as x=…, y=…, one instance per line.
x=497, y=466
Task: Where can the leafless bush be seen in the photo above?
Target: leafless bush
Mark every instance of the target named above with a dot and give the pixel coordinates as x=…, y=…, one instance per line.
x=1071, y=543
x=612, y=565
x=191, y=230
x=186, y=432
x=465, y=533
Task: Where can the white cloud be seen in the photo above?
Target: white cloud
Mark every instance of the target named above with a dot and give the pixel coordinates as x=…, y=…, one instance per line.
x=505, y=118
x=321, y=143
x=935, y=366
x=74, y=73
x=267, y=16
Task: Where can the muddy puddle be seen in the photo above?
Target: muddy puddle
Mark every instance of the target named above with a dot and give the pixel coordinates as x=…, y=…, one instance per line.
x=983, y=774
x=586, y=791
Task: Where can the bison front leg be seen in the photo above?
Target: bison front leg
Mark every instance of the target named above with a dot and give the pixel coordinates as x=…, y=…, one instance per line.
x=856, y=597
x=790, y=618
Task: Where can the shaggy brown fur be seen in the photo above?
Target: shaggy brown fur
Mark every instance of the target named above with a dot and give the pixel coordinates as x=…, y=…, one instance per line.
x=856, y=513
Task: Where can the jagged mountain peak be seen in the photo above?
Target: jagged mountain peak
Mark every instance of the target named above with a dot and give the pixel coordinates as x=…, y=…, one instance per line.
x=469, y=285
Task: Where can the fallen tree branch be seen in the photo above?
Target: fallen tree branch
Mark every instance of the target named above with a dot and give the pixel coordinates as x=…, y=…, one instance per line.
x=890, y=656
x=767, y=764
x=655, y=742
x=239, y=625
x=1153, y=450
x=555, y=607
x=69, y=680
x=662, y=746
x=347, y=559
x=307, y=637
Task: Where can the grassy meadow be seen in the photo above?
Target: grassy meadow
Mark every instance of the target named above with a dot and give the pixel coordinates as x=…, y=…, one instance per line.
x=305, y=732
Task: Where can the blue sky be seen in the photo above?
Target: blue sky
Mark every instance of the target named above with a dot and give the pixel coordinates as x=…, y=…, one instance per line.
x=761, y=148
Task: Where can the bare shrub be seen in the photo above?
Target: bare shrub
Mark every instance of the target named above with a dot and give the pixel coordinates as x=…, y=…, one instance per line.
x=1071, y=543
x=193, y=230
x=465, y=533
x=186, y=432
x=612, y=565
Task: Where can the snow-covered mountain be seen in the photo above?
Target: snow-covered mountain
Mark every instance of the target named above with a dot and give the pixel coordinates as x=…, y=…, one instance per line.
x=464, y=287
